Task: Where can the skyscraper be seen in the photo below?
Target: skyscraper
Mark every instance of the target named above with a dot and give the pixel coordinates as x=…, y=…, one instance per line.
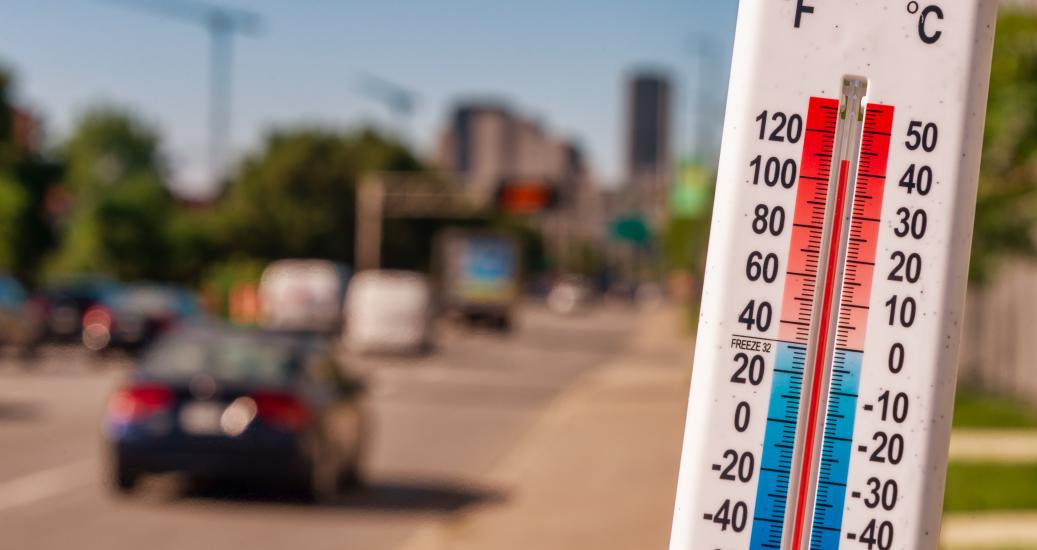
x=649, y=126
x=487, y=143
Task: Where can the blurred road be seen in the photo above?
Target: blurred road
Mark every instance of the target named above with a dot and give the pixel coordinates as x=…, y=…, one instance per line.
x=440, y=423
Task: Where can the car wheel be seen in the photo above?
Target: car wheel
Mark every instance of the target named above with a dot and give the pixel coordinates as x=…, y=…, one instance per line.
x=322, y=485
x=350, y=478
x=123, y=480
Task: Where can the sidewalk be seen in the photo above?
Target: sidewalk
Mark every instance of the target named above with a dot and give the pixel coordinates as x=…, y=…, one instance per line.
x=599, y=468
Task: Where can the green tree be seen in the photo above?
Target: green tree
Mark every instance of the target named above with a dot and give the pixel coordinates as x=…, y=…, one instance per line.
x=297, y=197
x=13, y=202
x=122, y=211
x=6, y=117
x=12, y=198
x=1006, y=211
x=26, y=178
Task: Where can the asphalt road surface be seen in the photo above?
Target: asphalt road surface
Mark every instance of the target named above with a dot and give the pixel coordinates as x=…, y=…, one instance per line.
x=440, y=423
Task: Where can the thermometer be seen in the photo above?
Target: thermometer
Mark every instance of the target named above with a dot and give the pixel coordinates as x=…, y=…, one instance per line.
x=820, y=406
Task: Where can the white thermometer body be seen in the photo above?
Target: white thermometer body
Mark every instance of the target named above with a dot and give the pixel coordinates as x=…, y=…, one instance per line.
x=825, y=366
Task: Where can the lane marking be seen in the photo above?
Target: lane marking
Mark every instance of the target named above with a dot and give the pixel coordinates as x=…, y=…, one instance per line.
x=44, y=484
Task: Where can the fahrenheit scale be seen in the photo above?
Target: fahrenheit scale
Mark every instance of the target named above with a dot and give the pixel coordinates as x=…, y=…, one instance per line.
x=820, y=407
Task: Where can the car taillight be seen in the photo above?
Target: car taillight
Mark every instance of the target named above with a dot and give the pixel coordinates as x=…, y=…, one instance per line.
x=281, y=410
x=38, y=307
x=139, y=402
x=99, y=316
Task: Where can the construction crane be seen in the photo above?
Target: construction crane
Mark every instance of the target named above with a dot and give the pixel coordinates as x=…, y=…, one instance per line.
x=222, y=23
x=400, y=101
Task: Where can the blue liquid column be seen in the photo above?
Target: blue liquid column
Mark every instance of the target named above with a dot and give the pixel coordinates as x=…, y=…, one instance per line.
x=778, y=447
x=835, y=451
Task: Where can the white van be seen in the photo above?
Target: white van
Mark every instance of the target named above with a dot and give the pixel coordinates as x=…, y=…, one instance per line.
x=303, y=295
x=388, y=311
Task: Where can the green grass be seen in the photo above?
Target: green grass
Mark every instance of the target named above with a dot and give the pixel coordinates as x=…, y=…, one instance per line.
x=980, y=487
x=975, y=409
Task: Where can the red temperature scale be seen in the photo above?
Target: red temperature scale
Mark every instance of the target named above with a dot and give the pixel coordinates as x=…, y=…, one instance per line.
x=820, y=406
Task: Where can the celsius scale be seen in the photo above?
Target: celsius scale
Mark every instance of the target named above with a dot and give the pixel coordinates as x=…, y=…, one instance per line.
x=825, y=364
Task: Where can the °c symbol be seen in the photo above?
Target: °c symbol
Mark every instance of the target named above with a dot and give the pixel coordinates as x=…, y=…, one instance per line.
x=924, y=32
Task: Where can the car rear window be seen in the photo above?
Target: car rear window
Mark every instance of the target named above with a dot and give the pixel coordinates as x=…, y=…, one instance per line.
x=240, y=358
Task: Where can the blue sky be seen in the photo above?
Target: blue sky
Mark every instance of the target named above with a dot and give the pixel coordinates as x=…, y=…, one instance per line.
x=560, y=61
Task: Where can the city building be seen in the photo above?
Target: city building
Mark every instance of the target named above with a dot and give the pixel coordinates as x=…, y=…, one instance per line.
x=487, y=144
x=649, y=140
x=478, y=147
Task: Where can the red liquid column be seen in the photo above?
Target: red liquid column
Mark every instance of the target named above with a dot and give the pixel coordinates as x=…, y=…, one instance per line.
x=808, y=221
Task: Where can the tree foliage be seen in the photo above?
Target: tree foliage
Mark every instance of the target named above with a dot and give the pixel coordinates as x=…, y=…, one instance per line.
x=26, y=178
x=1006, y=211
x=297, y=197
x=122, y=211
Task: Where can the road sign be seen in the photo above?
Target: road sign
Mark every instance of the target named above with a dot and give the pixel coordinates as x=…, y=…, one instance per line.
x=690, y=194
x=820, y=407
x=632, y=229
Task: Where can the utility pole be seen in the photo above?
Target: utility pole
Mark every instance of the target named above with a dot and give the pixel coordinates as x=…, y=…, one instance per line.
x=702, y=46
x=222, y=24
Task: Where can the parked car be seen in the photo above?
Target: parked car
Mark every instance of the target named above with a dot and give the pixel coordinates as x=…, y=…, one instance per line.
x=21, y=319
x=389, y=311
x=65, y=303
x=303, y=295
x=244, y=404
x=132, y=318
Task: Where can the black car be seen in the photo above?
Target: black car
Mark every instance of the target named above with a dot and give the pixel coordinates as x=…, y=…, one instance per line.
x=65, y=303
x=132, y=318
x=241, y=404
